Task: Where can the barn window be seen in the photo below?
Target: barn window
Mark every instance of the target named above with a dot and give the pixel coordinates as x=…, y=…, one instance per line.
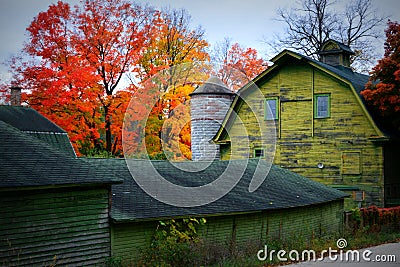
x=322, y=106
x=271, y=108
x=258, y=152
x=358, y=195
x=351, y=163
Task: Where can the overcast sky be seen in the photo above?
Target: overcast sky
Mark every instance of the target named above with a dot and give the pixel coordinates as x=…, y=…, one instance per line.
x=245, y=21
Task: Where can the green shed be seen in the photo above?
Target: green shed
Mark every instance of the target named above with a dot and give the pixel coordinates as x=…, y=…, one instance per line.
x=54, y=208
x=285, y=204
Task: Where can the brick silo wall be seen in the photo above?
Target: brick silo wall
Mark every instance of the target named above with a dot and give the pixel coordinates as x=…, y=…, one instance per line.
x=207, y=112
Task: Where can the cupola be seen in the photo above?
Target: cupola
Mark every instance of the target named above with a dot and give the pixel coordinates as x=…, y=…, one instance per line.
x=335, y=53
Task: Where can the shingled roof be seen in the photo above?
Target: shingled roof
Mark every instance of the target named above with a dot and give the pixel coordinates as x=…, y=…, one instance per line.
x=281, y=189
x=33, y=123
x=27, y=162
x=358, y=82
x=213, y=85
x=354, y=79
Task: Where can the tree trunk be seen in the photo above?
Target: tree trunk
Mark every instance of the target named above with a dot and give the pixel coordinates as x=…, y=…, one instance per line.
x=108, y=129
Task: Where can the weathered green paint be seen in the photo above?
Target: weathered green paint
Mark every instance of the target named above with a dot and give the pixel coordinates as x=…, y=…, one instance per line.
x=130, y=239
x=43, y=227
x=304, y=141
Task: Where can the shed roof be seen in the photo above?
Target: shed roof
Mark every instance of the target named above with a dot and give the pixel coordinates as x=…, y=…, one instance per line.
x=27, y=119
x=27, y=162
x=32, y=122
x=281, y=189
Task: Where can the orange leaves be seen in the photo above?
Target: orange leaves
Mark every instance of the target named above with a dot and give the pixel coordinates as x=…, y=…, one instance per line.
x=172, y=42
x=49, y=32
x=239, y=65
x=80, y=56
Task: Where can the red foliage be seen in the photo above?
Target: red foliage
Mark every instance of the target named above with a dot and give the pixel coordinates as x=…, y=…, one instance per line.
x=240, y=66
x=80, y=56
x=383, y=90
x=375, y=217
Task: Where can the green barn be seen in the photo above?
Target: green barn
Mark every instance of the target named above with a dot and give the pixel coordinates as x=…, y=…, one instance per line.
x=54, y=208
x=324, y=129
x=285, y=205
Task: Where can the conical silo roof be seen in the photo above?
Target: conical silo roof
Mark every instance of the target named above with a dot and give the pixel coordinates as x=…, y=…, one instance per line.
x=214, y=86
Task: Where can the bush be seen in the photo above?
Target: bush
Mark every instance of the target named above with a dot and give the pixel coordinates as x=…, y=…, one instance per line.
x=374, y=219
x=174, y=243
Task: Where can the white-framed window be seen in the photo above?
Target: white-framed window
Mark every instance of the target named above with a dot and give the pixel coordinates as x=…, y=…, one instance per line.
x=322, y=103
x=271, y=111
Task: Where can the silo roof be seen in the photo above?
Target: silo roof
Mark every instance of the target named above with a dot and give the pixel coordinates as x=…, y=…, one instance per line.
x=213, y=85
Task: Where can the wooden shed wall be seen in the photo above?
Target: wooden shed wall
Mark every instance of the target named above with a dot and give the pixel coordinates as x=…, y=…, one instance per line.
x=130, y=239
x=304, y=141
x=63, y=227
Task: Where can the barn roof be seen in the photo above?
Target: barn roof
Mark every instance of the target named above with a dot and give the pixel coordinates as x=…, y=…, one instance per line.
x=27, y=162
x=356, y=81
x=281, y=189
x=32, y=122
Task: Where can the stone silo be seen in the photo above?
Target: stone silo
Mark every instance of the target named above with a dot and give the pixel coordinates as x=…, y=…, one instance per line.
x=209, y=104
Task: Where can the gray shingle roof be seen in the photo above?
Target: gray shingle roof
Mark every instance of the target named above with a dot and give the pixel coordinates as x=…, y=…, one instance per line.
x=281, y=189
x=27, y=162
x=27, y=119
x=212, y=86
x=358, y=80
x=32, y=122
x=342, y=47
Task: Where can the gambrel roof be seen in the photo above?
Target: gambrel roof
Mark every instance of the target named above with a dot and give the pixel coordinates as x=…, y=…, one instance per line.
x=356, y=82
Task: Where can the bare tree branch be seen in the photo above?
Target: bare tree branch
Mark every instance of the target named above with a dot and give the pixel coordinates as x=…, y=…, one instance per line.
x=313, y=22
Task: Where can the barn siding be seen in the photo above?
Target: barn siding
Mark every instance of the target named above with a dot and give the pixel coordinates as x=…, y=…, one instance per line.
x=68, y=227
x=129, y=239
x=304, y=141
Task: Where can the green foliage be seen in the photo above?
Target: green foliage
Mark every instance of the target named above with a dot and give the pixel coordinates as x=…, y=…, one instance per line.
x=113, y=262
x=173, y=243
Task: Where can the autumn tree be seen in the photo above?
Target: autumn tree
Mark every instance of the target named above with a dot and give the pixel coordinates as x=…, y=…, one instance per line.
x=174, y=42
x=79, y=57
x=62, y=86
x=312, y=22
x=383, y=90
x=238, y=65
